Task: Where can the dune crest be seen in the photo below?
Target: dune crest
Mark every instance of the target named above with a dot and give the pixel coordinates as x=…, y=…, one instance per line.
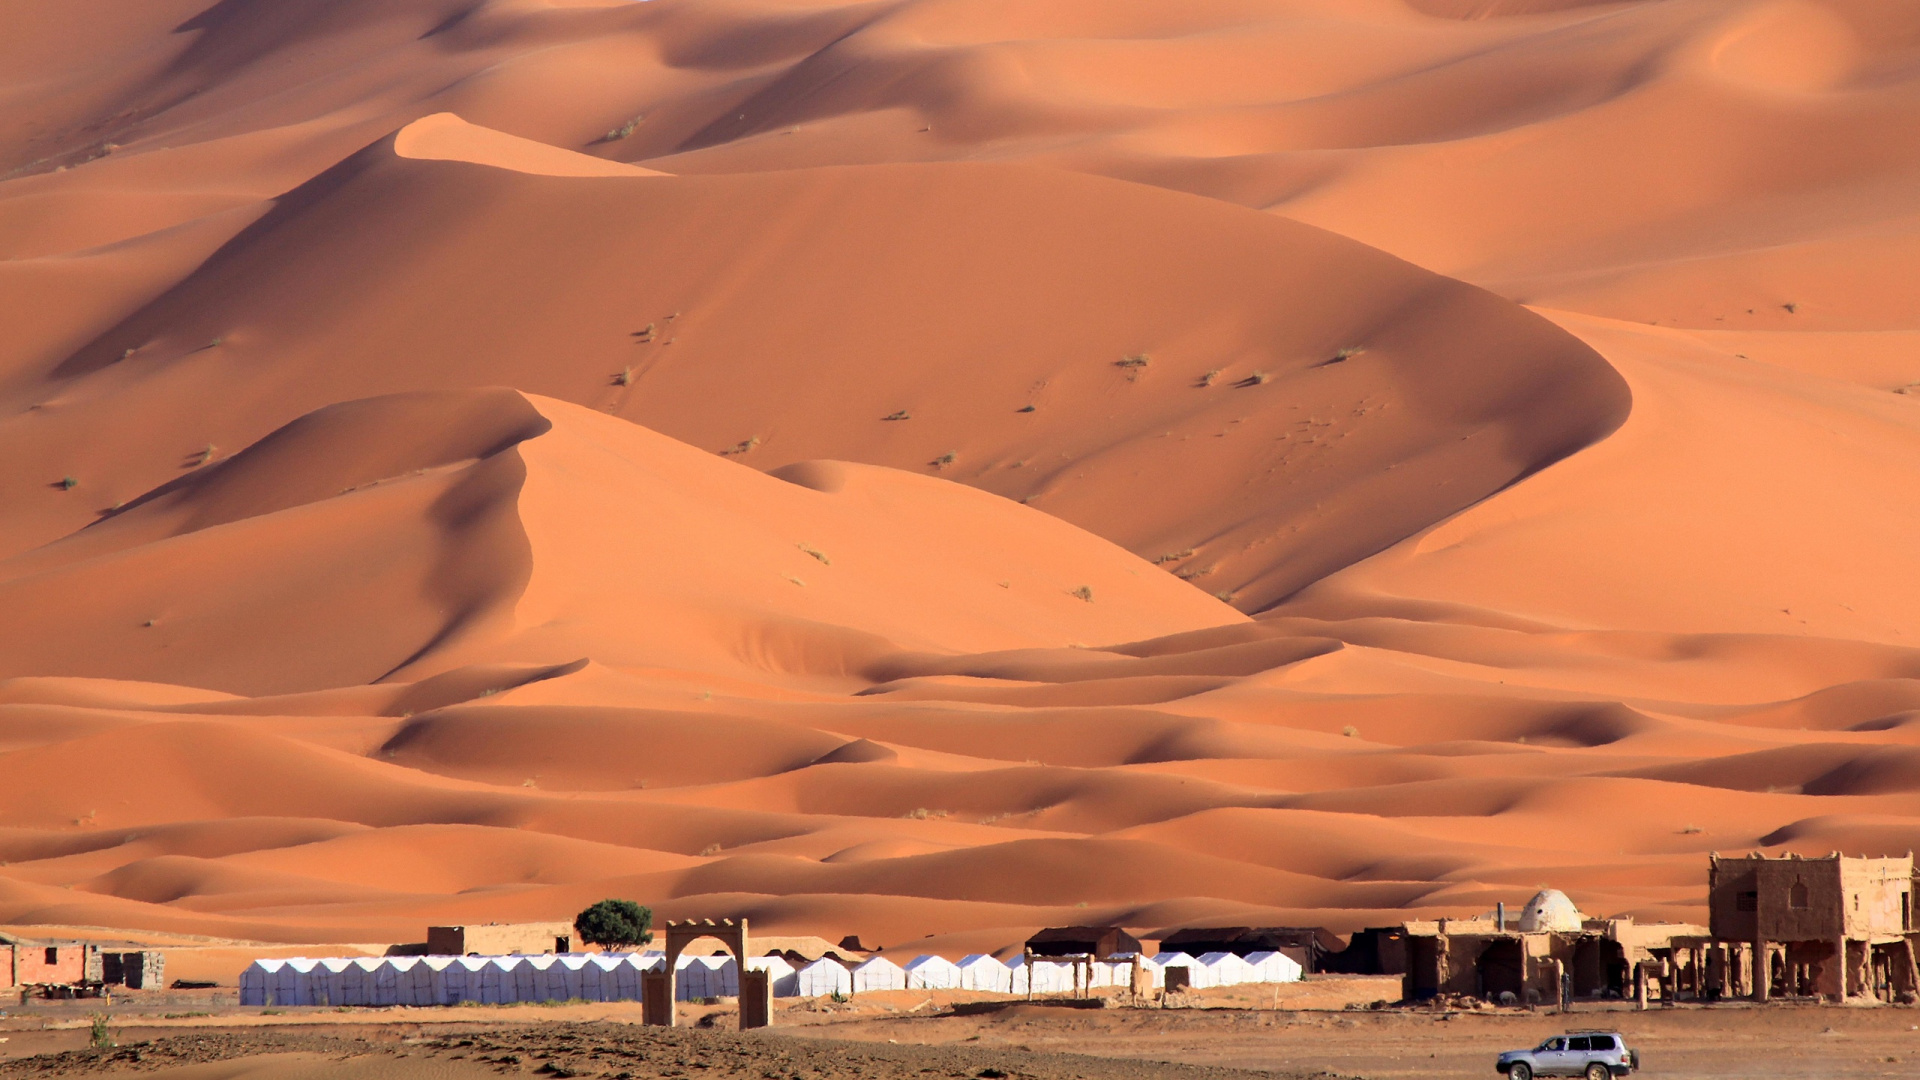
x=446, y=137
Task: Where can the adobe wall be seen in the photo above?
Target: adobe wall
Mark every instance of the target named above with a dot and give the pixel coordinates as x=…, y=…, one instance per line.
x=1879, y=896
x=1819, y=899
x=69, y=966
x=498, y=939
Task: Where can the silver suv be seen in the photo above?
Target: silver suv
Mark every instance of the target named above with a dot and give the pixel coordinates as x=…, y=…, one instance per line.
x=1595, y=1055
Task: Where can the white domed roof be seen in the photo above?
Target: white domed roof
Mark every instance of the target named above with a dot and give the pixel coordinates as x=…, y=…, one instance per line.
x=1549, y=910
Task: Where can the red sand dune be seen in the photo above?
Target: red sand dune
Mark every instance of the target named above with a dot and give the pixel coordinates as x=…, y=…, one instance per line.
x=953, y=467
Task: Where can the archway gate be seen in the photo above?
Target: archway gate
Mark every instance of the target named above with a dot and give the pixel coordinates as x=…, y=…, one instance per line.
x=662, y=992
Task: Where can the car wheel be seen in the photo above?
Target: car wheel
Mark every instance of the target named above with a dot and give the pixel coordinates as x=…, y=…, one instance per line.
x=1597, y=1071
x=1521, y=1071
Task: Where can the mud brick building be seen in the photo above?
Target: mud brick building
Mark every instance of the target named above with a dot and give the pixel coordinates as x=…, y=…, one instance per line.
x=48, y=963
x=500, y=939
x=1831, y=926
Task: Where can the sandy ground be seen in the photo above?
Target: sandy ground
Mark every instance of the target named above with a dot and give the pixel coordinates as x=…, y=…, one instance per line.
x=1040, y=1041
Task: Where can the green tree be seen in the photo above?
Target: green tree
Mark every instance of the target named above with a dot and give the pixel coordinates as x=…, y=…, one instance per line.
x=615, y=925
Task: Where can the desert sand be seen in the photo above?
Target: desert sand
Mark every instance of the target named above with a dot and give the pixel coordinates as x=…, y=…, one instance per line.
x=935, y=469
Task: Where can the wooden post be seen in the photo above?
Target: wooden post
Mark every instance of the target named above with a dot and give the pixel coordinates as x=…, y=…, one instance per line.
x=1846, y=962
x=1029, y=956
x=1640, y=985
x=1762, y=971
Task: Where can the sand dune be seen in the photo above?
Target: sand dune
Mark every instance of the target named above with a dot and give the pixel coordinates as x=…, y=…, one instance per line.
x=948, y=468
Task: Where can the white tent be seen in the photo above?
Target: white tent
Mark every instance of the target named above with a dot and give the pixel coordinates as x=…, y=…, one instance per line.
x=699, y=977
x=1202, y=975
x=726, y=974
x=1112, y=972
x=878, y=973
x=496, y=981
x=932, y=973
x=615, y=975
x=578, y=977
x=359, y=984
x=822, y=977
x=1048, y=976
x=1229, y=969
x=293, y=982
x=979, y=971
x=388, y=976
x=1275, y=967
x=784, y=982
x=425, y=982
x=255, y=981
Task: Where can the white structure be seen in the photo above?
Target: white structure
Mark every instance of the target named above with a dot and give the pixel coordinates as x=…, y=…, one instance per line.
x=504, y=980
x=1550, y=909
x=1047, y=976
x=1274, y=967
x=878, y=973
x=932, y=973
x=980, y=971
x=1201, y=975
x=1229, y=969
x=785, y=981
x=823, y=977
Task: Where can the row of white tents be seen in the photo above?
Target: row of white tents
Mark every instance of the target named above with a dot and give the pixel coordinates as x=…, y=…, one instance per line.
x=503, y=980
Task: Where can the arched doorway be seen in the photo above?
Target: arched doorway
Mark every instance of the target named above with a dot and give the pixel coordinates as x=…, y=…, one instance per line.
x=663, y=989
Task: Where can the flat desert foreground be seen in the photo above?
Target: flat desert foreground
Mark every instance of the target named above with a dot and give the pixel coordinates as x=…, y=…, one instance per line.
x=1021, y=1042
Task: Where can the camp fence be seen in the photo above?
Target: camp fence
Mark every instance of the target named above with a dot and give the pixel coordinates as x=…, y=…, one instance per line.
x=506, y=980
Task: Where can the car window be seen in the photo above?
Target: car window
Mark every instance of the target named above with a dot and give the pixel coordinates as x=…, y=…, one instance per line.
x=1553, y=1044
x=1579, y=1042
x=1602, y=1042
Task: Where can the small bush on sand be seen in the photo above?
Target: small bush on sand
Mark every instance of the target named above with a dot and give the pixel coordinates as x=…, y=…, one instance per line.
x=744, y=446
x=901, y=415
x=1084, y=592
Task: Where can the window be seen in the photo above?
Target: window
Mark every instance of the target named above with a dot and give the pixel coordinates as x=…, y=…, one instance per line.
x=53, y=954
x=1747, y=901
x=1603, y=1042
x=1580, y=1042
x=1797, y=896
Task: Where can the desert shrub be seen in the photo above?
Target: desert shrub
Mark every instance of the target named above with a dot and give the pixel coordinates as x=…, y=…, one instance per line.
x=615, y=924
